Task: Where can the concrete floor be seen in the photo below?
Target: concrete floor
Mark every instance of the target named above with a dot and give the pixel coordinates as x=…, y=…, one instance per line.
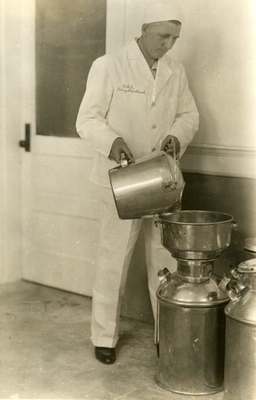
x=46, y=351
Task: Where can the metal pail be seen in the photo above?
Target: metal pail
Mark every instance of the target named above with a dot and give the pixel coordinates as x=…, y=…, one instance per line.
x=151, y=185
x=196, y=234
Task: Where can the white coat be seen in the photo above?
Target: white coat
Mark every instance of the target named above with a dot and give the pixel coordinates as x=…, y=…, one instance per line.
x=123, y=99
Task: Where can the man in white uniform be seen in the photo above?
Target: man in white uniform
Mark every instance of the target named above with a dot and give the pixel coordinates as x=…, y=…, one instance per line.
x=136, y=102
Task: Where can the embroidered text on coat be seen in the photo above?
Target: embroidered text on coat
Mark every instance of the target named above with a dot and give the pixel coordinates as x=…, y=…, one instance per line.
x=130, y=89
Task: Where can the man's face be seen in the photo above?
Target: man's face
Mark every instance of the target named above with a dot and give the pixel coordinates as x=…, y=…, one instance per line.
x=159, y=37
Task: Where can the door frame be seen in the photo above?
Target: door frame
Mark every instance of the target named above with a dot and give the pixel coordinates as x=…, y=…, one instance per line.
x=44, y=261
x=10, y=127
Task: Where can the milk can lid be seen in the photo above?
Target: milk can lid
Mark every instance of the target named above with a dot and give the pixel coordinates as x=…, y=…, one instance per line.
x=250, y=244
x=248, y=266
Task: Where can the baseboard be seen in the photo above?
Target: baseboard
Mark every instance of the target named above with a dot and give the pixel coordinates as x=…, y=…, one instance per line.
x=218, y=160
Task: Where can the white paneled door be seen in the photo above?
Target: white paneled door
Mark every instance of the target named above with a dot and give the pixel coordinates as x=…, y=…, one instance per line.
x=60, y=210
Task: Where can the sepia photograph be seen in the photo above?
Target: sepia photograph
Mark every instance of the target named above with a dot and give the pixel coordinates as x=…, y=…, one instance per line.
x=128, y=199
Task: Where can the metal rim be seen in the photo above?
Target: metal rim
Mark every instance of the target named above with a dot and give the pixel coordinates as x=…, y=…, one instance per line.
x=240, y=320
x=185, y=304
x=227, y=218
x=250, y=244
x=170, y=302
x=165, y=386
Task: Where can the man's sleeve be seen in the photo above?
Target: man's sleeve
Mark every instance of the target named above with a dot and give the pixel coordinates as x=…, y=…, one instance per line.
x=187, y=118
x=91, y=121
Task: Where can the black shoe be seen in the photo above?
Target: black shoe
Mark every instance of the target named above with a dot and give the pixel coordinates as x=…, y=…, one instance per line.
x=106, y=355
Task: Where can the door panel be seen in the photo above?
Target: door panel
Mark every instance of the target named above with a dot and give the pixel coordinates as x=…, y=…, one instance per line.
x=60, y=271
x=60, y=210
x=69, y=36
x=61, y=222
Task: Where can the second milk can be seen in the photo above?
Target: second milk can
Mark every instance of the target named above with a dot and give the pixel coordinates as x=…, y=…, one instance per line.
x=240, y=354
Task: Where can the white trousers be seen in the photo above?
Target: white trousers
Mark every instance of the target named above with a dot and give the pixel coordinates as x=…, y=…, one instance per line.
x=117, y=241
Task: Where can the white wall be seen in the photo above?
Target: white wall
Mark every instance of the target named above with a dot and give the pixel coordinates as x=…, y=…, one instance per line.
x=10, y=109
x=217, y=47
x=219, y=52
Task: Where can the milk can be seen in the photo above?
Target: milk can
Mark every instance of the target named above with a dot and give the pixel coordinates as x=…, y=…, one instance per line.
x=191, y=330
x=240, y=353
x=152, y=185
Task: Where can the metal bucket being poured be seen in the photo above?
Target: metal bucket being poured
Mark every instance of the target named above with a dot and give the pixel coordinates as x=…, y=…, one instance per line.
x=152, y=185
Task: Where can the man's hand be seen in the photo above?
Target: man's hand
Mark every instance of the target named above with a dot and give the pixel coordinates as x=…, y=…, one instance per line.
x=171, y=145
x=118, y=147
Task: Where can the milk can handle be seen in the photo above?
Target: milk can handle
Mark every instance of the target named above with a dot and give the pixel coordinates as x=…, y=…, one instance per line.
x=176, y=159
x=233, y=286
x=172, y=184
x=164, y=275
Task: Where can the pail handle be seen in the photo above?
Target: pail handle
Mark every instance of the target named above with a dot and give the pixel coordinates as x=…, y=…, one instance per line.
x=156, y=330
x=123, y=160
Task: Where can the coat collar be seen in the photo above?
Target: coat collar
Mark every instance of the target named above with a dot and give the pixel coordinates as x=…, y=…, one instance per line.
x=164, y=72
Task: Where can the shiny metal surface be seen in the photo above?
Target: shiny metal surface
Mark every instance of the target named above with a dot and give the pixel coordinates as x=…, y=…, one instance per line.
x=243, y=306
x=196, y=234
x=243, y=309
x=191, y=330
x=248, y=267
x=192, y=286
x=191, y=349
x=150, y=186
x=240, y=355
x=240, y=363
x=190, y=325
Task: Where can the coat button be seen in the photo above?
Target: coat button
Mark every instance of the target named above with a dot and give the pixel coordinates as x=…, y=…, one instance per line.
x=153, y=149
x=154, y=126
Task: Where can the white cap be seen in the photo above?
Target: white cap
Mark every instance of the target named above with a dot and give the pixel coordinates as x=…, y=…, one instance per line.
x=162, y=10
